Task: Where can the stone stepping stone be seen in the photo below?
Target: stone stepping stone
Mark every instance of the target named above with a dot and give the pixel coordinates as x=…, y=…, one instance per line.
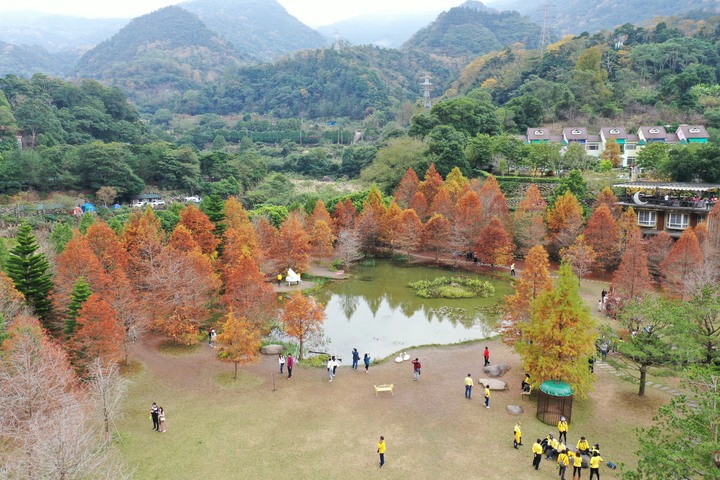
x=665, y=388
x=493, y=383
x=649, y=384
x=496, y=370
x=514, y=409
x=271, y=349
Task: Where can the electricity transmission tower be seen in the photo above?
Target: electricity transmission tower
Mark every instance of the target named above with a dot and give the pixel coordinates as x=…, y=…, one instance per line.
x=546, y=31
x=427, y=89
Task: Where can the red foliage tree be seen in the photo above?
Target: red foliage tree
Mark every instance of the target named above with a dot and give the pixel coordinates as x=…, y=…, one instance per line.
x=407, y=188
x=142, y=239
x=580, y=256
x=294, y=243
x=533, y=281
x=182, y=239
x=494, y=244
x=246, y=291
x=268, y=238
x=344, y=214
x=321, y=240
x=466, y=223
x=99, y=334
x=658, y=248
x=632, y=278
x=239, y=340
x=431, y=183
x=436, y=236
x=302, y=317
x=607, y=197
x=565, y=221
x=419, y=204
x=368, y=223
x=200, y=227
x=442, y=204
x=684, y=258
x=321, y=213
x=409, y=230
x=389, y=225
x=529, y=224
x=603, y=236
x=106, y=245
x=494, y=203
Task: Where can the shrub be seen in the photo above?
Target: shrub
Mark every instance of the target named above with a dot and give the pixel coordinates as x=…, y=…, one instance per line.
x=453, y=287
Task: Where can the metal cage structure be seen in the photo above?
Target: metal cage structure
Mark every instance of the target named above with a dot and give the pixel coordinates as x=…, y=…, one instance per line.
x=555, y=399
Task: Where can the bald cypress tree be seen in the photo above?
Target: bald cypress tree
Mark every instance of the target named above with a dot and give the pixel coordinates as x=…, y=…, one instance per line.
x=29, y=272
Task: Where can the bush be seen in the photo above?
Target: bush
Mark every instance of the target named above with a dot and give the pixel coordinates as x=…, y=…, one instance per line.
x=453, y=287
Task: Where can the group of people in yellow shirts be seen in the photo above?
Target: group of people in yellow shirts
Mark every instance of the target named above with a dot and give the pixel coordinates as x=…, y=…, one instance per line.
x=566, y=457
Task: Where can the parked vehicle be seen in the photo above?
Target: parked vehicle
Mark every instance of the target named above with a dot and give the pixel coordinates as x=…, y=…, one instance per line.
x=192, y=199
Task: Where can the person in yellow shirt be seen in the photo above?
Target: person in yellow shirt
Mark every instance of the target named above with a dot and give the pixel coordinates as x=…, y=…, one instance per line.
x=560, y=448
x=551, y=447
x=563, y=461
x=487, y=396
x=381, y=450
x=577, y=465
x=518, y=435
x=583, y=446
x=595, y=465
x=468, y=386
x=537, y=454
x=563, y=429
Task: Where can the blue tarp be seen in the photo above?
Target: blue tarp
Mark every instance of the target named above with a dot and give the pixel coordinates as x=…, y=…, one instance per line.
x=88, y=207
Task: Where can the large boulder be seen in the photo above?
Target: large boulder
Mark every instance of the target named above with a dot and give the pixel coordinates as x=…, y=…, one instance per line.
x=493, y=383
x=514, y=409
x=496, y=370
x=271, y=349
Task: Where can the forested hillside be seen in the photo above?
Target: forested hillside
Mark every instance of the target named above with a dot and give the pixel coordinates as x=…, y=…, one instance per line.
x=261, y=30
x=663, y=75
x=158, y=56
x=467, y=31
x=321, y=84
x=26, y=60
x=576, y=16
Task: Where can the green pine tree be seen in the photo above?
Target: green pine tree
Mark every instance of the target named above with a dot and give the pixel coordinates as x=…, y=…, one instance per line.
x=81, y=292
x=214, y=207
x=29, y=272
x=60, y=236
x=560, y=336
x=3, y=254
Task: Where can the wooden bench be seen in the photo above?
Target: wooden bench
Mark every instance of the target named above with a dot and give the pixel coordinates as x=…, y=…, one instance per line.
x=526, y=392
x=385, y=388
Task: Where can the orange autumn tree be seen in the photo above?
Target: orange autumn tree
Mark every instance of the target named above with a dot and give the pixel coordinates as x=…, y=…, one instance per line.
x=627, y=223
x=579, y=256
x=268, y=238
x=200, y=227
x=529, y=222
x=321, y=240
x=302, y=318
x=442, y=204
x=407, y=188
x=431, y=184
x=239, y=341
x=294, y=243
x=181, y=285
x=246, y=291
x=603, y=236
x=235, y=214
x=344, y=214
x=532, y=281
x=466, y=223
x=106, y=245
x=436, y=236
x=368, y=224
x=409, y=231
x=607, y=197
x=321, y=213
x=142, y=239
x=494, y=245
x=12, y=302
x=388, y=226
x=631, y=280
x=420, y=205
x=182, y=239
x=493, y=202
x=564, y=221
x=99, y=334
x=684, y=259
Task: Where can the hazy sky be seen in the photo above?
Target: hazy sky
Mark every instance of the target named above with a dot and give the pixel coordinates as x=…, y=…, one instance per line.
x=311, y=12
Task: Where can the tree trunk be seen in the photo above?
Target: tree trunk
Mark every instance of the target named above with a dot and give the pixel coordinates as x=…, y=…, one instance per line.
x=643, y=379
x=300, y=352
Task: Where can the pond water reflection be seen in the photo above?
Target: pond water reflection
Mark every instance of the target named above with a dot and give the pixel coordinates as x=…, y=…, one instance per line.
x=378, y=313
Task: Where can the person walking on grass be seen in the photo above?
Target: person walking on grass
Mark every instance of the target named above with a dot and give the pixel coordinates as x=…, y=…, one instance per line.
x=290, y=365
x=416, y=369
x=487, y=396
x=517, y=435
x=577, y=465
x=595, y=465
x=562, y=429
x=468, y=386
x=356, y=358
x=381, y=450
x=366, y=361
x=486, y=355
x=563, y=462
x=154, y=413
x=537, y=450
x=512, y=270
x=281, y=361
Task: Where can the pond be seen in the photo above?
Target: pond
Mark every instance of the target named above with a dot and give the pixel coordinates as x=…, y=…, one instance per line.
x=377, y=312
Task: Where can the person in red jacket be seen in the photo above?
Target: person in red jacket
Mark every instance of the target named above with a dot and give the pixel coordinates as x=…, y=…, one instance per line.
x=290, y=364
x=416, y=369
x=487, y=356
